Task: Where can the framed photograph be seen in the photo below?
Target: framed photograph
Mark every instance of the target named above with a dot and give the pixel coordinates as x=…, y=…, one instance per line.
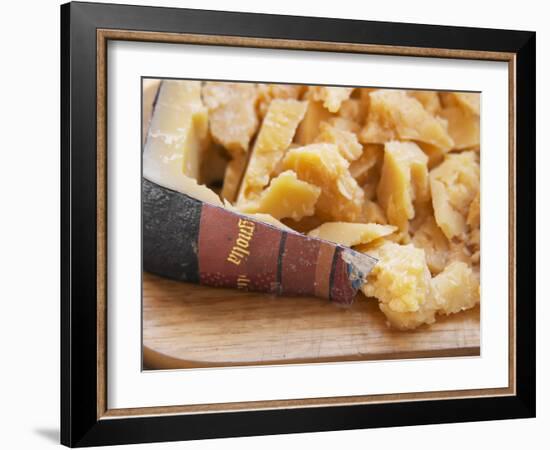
x=278, y=224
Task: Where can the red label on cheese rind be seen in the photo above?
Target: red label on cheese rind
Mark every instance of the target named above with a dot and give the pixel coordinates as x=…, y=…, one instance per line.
x=323, y=269
x=299, y=265
x=341, y=290
x=237, y=252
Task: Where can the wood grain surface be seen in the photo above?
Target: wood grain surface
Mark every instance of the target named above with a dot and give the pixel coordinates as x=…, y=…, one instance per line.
x=187, y=325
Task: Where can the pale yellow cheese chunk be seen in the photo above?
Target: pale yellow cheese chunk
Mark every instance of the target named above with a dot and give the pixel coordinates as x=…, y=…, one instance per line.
x=401, y=283
x=350, y=234
x=346, y=141
x=177, y=134
x=150, y=89
x=353, y=109
x=232, y=114
x=268, y=92
x=468, y=101
x=429, y=99
x=364, y=168
x=454, y=185
x=331, y=96
x=232, y=178
x=286, y=196
x=408, y=295
x=435, y=154
x=474, y=218
x=456, y=288
x=395, y=115
x=373, y=213
x=189, y=186
x=322, y=165
x=274, y=138
x=404, y=180
x=463, y=127
x=309, y=128
x=431, y=239
x=344, y=124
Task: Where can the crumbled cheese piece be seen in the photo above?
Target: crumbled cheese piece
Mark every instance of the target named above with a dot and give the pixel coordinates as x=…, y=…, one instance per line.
x=429, y=99
x=473, y=218
x=347, y=143
x=430, y=238
x=435, y=154
x=233, y=176
x=308, y=130
x=269, y=92
x=232, y=114
x=322, y=165
x=463, y=127
x=345, y=124
x=371, y=159
x=395, y=115
x=456, y=288
x=373, y=213
x=331, y=96
x=468, y=101
x=274, y=138
x=401, y=283
x=404, y=180
x=350, y=234
x=353, y=109
x=286, y=196
x=454, y=184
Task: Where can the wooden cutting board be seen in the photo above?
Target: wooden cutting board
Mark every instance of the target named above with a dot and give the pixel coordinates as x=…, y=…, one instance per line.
x=187, y=325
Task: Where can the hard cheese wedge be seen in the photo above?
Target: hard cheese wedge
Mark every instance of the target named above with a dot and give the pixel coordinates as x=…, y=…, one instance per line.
x=150, y=89
x=191, y=237
x=177, y=134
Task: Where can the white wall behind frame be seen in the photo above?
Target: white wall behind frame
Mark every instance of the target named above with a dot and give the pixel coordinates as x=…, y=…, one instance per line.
x=30, y=359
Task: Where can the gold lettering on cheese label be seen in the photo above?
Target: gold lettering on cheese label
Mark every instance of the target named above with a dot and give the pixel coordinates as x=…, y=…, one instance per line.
x=243, y=282
x=240, y=250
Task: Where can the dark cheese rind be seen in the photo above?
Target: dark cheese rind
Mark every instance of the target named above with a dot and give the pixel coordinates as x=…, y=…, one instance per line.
x=190, y=240
x=171, y=222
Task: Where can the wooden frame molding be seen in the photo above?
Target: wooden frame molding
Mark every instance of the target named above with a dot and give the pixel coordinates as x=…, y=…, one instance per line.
x=86, y=30
x=105, y=35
